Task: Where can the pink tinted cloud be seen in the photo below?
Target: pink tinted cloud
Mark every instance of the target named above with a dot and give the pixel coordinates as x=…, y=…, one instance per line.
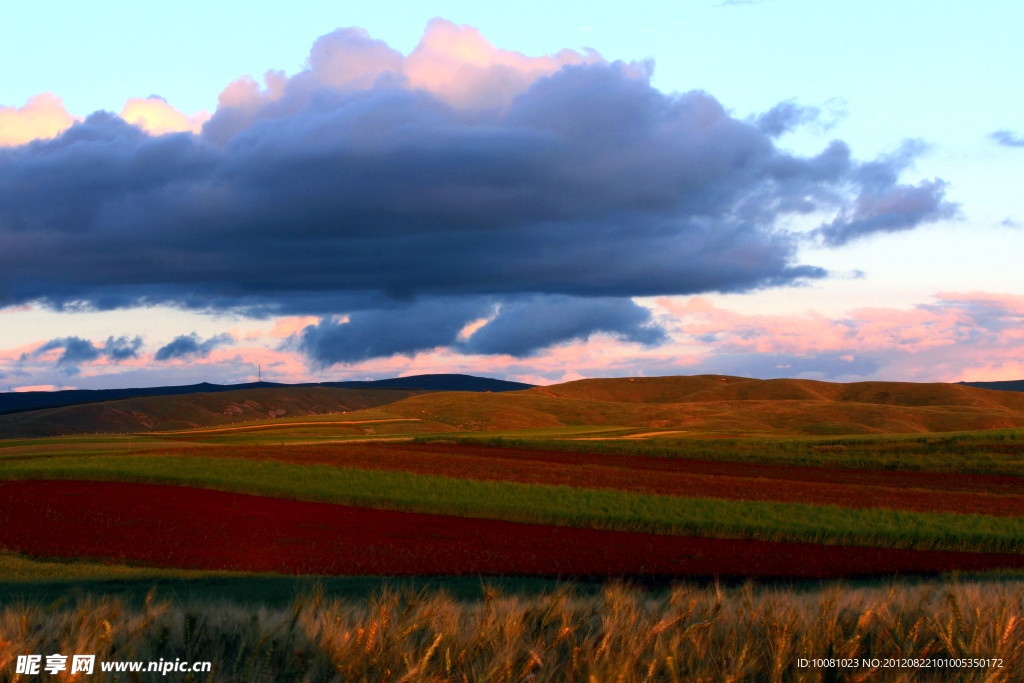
x=245, y=92
x=1009, y=307
x=14, y=354
x=958, y=336
x=347, y=59
x=910, y=330
x=282, y=328
x=155, y=116
x=995, y=369
x=286, y=327
x=459, y=65
x=454, y=63
x=471, y=327
x=962, y=336
x=43, y=116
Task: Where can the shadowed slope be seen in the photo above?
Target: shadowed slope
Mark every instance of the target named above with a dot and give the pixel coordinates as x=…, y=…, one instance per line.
x=195, y=410
x=733, y=404
x=702, y=403
x=19, y=401
x=701, y=388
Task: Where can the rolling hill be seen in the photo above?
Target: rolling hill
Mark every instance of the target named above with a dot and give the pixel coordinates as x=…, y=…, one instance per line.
x=162, y=413
x=12, y=402
x=715, y=404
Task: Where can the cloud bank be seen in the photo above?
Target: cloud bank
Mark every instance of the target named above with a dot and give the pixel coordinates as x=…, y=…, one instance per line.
x=190, y=346
x=971, y=336
x=43, y=116
x=415, y=193
x=75, y=350
x=1008, y=138
x=955, y=336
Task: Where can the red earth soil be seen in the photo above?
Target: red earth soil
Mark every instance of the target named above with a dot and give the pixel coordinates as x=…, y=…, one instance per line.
x=917, y=491
x=174, y=526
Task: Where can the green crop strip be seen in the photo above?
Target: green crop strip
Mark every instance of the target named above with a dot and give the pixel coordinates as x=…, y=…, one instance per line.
x=560, y=505
x=999, y=453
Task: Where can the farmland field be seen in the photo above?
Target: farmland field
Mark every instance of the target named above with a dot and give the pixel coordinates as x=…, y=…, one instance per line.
x=381, y=502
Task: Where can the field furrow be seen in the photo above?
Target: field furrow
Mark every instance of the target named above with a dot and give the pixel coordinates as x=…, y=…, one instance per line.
x=172, y=526
x=922, y=492
x=570, y=506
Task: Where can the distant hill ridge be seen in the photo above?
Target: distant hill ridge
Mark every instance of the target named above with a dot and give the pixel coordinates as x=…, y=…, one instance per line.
x=704, y=388
x=1007, y=385
x=12, y=402
x=720, y=403
x=700, y=404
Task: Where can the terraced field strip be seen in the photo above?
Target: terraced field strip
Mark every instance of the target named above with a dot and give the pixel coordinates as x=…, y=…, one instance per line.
x=998, y=453
x=638, y=435
x=923, y=493
x=277, y=425
x=504, y=458
x=18, y=568
x=95, y=448
x=202, y=529
x=548, y=504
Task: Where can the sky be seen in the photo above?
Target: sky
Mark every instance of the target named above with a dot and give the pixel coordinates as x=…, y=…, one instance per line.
x=538, y=192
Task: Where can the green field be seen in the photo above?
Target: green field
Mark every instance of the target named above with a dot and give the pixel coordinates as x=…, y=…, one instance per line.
x=999, y=451
x=259, y=626
x=561, y=505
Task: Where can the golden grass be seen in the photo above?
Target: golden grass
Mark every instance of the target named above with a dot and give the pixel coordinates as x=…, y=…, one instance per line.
x=690, y=633
x=16, y=568
x=712, y=403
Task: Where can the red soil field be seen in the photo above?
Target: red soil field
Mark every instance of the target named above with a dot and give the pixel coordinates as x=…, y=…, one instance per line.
x=198, y=528
x=917, y=491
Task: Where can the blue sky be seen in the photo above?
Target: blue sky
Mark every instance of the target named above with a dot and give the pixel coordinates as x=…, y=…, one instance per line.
x=940, y=301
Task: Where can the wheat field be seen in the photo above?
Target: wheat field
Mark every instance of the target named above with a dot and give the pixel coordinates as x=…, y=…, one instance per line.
x=618, y=633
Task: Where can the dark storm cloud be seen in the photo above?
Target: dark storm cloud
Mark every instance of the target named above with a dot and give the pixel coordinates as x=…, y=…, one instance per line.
x=784, y=117
x=516, y=327
x=884, y=205
x=1007, y=138
x=122, y=348
x=75, y=350
x=522, y=327
x=385, y=332
x=591, y=183
x=190, y=346
x=345, y=190
x=894, y=209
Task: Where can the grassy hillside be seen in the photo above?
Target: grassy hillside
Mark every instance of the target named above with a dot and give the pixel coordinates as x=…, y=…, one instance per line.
x=195, y=410
x=704, y=388
x=20, y=401
x=702, y=404
x=570, y=481
x=716, y=403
